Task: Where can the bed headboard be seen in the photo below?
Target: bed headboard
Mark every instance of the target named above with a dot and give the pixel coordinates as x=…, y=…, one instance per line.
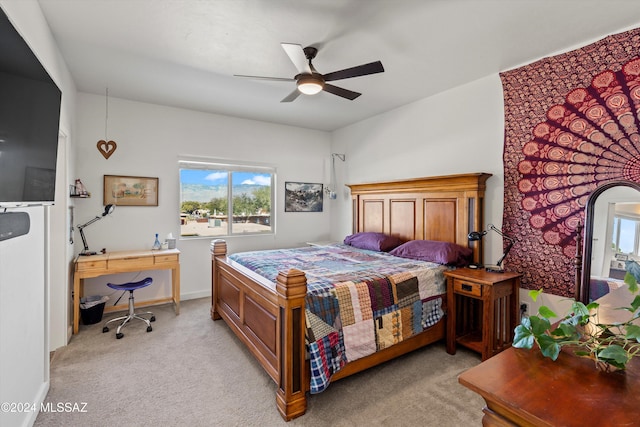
x=444, y=208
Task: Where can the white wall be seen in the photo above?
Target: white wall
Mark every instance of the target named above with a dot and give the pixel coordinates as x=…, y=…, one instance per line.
x=458, y=131
x=150, y=139
x=27, y=278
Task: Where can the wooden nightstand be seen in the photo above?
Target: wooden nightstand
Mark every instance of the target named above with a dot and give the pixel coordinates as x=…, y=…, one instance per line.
x=482, y=310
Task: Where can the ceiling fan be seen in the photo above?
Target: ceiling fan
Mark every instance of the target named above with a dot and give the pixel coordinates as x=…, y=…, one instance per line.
x=309, y=81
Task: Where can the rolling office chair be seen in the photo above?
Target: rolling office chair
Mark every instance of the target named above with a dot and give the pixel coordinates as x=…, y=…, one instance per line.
x=132, y=286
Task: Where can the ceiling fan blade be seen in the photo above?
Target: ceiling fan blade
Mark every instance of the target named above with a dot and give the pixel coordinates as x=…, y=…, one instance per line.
x=277, y=79
x=360, y=70
x=297, y=56
x=345, y=93
x=292, y=96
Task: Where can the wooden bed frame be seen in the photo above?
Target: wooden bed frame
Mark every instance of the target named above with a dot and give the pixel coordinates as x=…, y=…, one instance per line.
x=269, y=318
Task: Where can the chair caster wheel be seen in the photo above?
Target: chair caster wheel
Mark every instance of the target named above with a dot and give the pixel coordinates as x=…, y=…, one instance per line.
x=120, y=335
x=105, y=330
x=149, y=329
x=153, y=319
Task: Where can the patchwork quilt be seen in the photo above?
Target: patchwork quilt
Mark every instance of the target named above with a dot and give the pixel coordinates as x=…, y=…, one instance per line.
x=358, y=301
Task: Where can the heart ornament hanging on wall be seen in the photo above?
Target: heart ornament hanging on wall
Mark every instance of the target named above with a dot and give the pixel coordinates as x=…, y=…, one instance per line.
x=106, y=148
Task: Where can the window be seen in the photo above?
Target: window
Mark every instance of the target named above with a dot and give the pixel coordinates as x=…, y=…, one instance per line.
x=626, y=234
x=222, y=199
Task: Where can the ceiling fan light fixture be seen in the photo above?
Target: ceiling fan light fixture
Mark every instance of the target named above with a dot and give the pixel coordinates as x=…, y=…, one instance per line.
x=310, y=85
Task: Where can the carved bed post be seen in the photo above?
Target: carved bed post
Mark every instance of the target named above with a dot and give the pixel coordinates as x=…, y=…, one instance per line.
x=218, y=249
x=291, y=399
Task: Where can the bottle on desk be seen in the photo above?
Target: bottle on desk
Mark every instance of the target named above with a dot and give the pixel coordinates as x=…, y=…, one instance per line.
x=156, y=244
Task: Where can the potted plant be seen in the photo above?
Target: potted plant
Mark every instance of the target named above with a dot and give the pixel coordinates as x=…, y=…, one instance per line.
x=611, y=346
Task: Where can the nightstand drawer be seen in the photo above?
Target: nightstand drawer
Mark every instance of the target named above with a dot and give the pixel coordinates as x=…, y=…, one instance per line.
x=467, y=288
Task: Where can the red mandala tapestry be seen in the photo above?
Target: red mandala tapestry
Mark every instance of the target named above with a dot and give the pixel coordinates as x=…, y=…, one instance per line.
x=571, y=124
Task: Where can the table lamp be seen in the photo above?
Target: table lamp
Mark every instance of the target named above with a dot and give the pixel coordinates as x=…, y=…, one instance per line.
x=107, y=210
x=476, y=236
x=498, y=267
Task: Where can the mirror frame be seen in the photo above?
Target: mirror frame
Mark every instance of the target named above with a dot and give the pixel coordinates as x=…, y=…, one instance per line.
x=582, y=293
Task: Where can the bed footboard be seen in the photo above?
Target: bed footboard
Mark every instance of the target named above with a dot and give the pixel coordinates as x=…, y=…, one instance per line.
x=269, y=320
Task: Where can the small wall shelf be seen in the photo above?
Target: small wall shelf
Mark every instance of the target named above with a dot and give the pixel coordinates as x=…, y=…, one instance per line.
x=78, y=191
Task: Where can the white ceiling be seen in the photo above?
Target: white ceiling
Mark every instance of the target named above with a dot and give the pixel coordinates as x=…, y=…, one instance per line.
x=184, y=53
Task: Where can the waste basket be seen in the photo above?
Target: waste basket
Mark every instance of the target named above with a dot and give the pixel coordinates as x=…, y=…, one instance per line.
x=92, y=308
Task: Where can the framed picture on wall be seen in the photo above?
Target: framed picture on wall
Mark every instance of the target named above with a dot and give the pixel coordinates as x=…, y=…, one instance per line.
x=130, y=190
x=302, y=197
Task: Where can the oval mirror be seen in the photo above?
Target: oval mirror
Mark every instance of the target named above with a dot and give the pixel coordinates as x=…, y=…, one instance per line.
x=611, y=236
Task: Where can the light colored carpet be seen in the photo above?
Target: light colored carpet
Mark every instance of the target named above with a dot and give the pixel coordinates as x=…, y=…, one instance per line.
x=192, y=371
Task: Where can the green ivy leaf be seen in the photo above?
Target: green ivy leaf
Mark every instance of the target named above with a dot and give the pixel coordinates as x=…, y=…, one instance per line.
x=549, y=347
x=546, y=312
x=579, y=309
x=533, y=294
x=566, y=331
x=572, y=320
x=614, y=354
x=523, y=337
x=633, y=332
x=539, y=325
x=630, y=280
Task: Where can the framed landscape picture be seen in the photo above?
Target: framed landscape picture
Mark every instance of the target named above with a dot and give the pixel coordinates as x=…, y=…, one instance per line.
x=130, y=190
x=302, y=197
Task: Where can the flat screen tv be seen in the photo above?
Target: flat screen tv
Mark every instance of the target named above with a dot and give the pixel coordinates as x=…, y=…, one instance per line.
x=29, y=121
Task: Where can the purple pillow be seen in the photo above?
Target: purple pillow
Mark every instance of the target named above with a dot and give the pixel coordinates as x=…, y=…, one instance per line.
x=372, y=241
x=435, y=251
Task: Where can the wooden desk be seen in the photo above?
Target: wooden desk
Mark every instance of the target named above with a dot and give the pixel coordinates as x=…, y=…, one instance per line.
x=521, y=387
x=125, y=262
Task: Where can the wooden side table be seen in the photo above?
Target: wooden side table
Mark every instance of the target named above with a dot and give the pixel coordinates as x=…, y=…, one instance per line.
x=523, y=388
x=482, y=310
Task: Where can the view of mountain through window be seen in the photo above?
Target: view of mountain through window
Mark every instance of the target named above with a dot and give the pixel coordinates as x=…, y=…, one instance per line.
x=216, y=201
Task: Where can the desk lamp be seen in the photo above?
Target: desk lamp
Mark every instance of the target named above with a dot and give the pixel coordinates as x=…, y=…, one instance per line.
x=107, y=210
x=498, y=267
x=476, y=236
